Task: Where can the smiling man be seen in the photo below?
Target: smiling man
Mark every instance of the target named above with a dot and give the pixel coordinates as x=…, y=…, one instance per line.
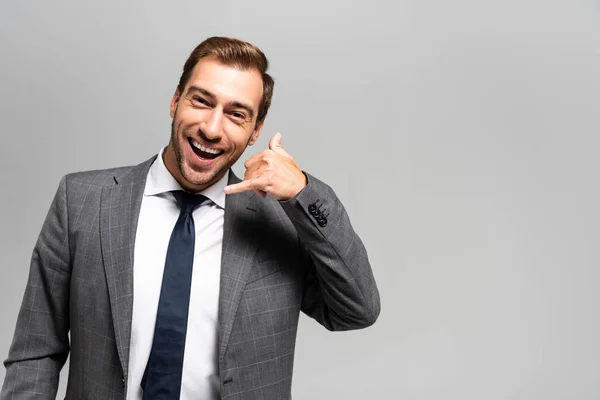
x=174, y=279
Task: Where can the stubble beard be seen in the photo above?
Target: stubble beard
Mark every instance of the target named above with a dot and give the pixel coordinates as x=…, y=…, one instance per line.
x=183, y=169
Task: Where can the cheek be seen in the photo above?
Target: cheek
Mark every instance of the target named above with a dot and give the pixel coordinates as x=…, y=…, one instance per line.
x=189, y=116
x=241, y=140
x=177, y=127
x=184, y=124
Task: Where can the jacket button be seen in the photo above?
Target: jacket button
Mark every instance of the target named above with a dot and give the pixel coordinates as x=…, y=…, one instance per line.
x=123, y=383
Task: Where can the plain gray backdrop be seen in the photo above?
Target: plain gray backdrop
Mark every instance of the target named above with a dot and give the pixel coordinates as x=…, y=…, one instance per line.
x=462, y=136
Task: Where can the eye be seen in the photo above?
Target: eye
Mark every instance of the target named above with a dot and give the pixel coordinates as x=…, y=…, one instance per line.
x=199, y=100
x=238, y=115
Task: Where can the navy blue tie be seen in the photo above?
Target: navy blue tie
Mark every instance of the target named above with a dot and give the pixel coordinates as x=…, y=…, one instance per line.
x=162, y=377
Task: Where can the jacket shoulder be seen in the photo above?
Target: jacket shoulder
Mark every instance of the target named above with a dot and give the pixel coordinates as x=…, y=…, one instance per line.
x=100, y=178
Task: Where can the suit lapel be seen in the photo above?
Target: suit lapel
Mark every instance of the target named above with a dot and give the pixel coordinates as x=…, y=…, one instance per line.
x=119, y=212
x=239, y=246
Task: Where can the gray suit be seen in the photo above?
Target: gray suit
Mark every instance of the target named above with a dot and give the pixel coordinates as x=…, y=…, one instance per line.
x=277, y=260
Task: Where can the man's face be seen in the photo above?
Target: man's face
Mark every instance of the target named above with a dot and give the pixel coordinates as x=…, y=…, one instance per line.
x=214, y=120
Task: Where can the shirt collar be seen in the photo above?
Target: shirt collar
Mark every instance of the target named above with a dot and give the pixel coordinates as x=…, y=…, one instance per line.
x=160, y=181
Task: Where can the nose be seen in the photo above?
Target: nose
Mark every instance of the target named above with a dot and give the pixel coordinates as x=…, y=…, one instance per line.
x=213, y=125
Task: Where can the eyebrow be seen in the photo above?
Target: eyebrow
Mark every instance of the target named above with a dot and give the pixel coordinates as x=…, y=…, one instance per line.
x=234, y=104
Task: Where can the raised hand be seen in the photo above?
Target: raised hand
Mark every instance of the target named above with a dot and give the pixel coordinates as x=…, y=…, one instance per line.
x=272, y=172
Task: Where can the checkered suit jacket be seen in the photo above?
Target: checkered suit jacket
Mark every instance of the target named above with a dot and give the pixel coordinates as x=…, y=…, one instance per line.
x=279, y=258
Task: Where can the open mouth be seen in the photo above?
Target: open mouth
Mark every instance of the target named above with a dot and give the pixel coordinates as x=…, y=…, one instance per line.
x=203, y=151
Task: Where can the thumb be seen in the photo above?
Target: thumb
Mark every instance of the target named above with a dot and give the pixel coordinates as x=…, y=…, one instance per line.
x=275, y=142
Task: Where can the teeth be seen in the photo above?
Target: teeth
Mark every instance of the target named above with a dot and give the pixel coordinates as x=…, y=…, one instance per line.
x=205, y=149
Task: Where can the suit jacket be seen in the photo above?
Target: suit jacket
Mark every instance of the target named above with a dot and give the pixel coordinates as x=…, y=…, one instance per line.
x=279, y=258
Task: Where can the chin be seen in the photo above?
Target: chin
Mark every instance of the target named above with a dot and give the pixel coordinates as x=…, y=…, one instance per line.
x=204, y=179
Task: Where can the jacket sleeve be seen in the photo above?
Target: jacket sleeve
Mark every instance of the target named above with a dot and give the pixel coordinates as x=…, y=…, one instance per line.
x=41, y=343
x=340, y=290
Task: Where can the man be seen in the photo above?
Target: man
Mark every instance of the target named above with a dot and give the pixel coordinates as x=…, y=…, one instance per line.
x=111, y=277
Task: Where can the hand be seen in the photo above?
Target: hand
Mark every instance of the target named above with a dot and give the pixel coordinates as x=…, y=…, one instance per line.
x=273, y=172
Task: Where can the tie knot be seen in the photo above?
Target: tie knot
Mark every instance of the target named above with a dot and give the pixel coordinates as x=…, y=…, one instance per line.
x=188, y=202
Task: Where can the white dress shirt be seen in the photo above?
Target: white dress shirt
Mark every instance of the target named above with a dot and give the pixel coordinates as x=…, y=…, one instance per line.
x=158, y=214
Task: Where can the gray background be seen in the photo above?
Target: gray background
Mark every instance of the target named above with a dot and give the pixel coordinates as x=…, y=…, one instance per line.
x=461, y=135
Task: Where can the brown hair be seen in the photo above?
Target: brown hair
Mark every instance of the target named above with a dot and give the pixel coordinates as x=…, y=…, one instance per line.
x=237, y=54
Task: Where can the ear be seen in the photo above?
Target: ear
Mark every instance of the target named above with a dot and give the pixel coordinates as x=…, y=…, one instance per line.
x=255, y=134
x=174, y=101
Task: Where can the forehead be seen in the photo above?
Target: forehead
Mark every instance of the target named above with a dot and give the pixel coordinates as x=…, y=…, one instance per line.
x=228, y=84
